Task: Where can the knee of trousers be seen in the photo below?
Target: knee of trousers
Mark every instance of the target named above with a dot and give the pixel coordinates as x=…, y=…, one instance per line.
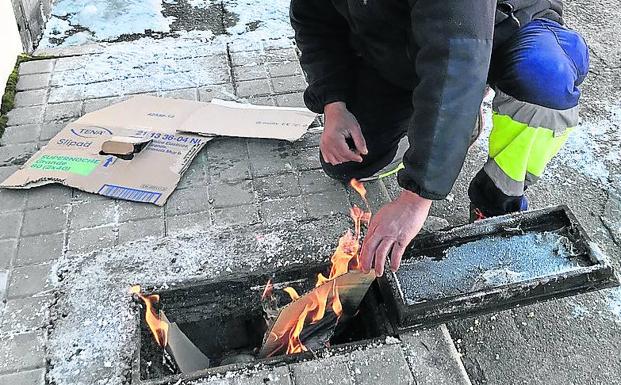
x=550, y=78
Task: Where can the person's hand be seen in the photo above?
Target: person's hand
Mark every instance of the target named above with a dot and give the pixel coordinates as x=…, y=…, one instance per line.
x=340, y=125
x=393, y=228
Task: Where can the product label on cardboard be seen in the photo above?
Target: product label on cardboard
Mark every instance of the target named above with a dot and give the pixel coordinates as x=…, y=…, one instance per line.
x=73, y=164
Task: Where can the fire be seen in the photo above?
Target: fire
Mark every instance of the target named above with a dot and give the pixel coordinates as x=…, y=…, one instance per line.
x=326, y=294
x=158, y=327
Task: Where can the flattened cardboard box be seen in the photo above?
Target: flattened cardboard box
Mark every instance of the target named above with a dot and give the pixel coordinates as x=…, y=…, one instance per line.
x=136, y=150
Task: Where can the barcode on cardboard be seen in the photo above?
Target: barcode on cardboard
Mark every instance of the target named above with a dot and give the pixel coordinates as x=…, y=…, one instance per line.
x=130, y=194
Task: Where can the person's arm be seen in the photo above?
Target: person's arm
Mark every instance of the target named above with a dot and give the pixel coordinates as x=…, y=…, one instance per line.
x=454, y=39
x=455, y=44
x=322, y=36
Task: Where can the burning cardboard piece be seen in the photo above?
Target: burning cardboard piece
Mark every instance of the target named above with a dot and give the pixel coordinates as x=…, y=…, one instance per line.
x=134, y=150
x=352, y=288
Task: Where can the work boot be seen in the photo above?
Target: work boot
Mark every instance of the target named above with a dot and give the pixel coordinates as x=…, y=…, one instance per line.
x=476, y=214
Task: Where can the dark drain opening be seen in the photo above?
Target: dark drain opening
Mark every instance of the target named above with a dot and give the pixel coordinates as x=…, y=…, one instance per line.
x=225, y=322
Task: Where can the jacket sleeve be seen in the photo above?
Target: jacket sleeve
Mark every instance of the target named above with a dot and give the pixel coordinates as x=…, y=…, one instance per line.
x=454, y=41
x=322, y=35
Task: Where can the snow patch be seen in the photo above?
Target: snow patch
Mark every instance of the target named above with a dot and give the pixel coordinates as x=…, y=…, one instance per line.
x=614, y=302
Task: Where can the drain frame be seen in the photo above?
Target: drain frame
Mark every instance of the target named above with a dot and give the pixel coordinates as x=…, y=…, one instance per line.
x=177, y=296
x=599, y=275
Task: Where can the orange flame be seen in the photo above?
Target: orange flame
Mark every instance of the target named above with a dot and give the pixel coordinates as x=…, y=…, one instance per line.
x=326, y=293
x=158, y=327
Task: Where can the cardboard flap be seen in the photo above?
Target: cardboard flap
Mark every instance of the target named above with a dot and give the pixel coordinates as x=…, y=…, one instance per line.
x=123, y=147
x=248, y=121
x=143, y=112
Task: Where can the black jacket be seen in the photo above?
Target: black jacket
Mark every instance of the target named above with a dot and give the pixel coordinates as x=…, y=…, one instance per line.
x=440, y=49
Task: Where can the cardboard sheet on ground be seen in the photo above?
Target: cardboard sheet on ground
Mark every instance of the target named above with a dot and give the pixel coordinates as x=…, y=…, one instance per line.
x=135, y=150
x=352, y=288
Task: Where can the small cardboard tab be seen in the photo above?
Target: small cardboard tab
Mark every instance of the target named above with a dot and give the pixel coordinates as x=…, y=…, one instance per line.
x=137, y=149
x=124, y=147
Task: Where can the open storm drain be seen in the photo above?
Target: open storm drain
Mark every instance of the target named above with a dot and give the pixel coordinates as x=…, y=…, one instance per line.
x=203, y=328
x=223, y=323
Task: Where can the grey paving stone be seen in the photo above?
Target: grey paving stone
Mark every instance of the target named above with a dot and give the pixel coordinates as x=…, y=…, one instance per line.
x=186, y=93
x=285, y=209
x=4, y=274
x=132, y=211
x=192, y=199
x=277, y=186
x=69, y=93
x=222, y=91
x=289, y=84
x=278, y=55
x=29, y=280
x=314, y=181
x=30, y=98
x=32, y=82
x=195, y=175
x=22, y=351
x=273, y=376
x=8, y=248
x=59, y=111
x=253, y=88
x=224, y=194
x=26, y=314
x=306, y=159
x=250, y=72
x=332, y=370
x=246, y=58
x=295, y=99
x=86, y=197
x=311, y=139
x=21, y=134
x=136, y=230
x=383, y=365
x=36, y=66
x=50, y=129
x=87, y=240
x=11, y=200
x=261, y=100
x=268, y=157
x=38, y=249
x=433, y=358
x=17, y=154
x=70, y=63
x=44, y=220
x=25, y=115
x=53, y=195
x=289, y=68
x=93, y=214
x=227, y=159
x=242, y=215
x=10, y=223
x=30, y=377
x=179, y=223
x=91, y=105
x=326, y=203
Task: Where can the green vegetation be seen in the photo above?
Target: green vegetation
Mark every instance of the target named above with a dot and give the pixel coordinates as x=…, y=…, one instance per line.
x=8, y=99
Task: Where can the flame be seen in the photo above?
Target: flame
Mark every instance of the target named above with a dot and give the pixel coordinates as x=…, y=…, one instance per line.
x=326, y=293
x=158, y=327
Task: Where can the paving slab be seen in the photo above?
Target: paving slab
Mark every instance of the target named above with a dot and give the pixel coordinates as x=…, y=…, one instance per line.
x=29, y=377
x=29, y=280
x=21, y=352
x=21, y=134
x=36, y=67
